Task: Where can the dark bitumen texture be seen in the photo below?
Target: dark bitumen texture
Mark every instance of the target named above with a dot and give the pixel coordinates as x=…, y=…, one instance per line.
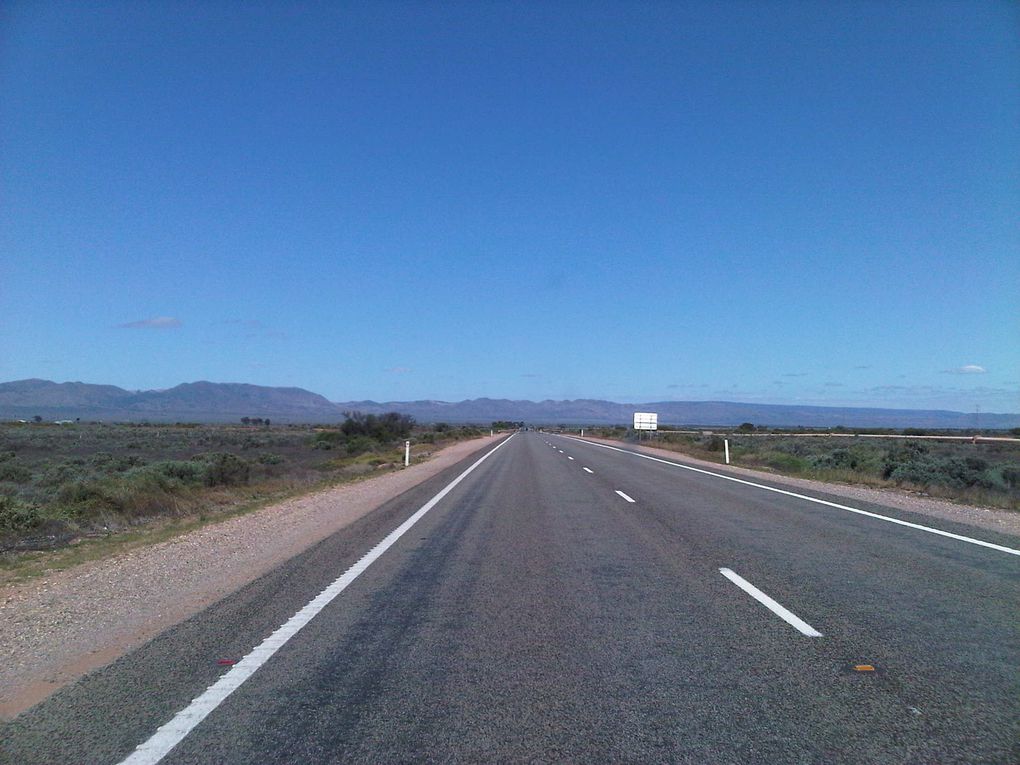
x=535, y=616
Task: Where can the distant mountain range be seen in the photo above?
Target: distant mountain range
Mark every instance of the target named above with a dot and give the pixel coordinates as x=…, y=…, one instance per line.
x=228, y=402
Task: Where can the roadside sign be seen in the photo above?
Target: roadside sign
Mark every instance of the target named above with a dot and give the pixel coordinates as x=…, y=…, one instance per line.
x=646, y=421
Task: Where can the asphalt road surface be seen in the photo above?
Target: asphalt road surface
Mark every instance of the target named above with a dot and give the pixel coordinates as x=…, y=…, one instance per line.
x=565, y=602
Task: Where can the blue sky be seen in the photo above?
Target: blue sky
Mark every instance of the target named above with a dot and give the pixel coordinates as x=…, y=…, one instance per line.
x=772, y=202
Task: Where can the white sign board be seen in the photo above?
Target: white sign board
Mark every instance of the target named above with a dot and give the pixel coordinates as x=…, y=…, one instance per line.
x=646, y=421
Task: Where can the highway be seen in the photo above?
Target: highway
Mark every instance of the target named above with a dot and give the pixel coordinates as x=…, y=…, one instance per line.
x=566, y=602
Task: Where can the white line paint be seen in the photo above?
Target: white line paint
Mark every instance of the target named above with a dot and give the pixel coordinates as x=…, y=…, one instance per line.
x=783, y=613
x=570, y=458
x=588, y=470
x=897, y=521
x=173, y=732
x=624, y=496
x=560, y=451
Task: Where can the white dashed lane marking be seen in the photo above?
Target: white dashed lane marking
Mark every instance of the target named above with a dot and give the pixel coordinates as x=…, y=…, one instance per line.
x=786, y=615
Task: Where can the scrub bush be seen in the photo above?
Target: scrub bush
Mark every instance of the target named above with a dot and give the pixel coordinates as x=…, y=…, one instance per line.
x=224, y=469
x=17, y=516
x=15, y=473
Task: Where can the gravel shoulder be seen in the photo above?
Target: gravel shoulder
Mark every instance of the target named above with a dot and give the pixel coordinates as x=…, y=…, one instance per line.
x=58, y=627
x=1002, y=521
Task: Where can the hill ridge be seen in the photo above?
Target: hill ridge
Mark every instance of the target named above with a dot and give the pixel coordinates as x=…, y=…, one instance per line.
x=204, y=400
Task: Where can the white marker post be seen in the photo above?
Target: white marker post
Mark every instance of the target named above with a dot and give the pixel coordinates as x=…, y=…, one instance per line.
x=726, y=446
x=407, y=453
x=582, y=432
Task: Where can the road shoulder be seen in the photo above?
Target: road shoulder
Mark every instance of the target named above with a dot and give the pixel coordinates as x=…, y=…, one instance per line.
x=56, y=628
x=1001, y=521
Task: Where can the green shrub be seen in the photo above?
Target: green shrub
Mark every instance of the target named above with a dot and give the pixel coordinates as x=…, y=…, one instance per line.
x=224, y=469
x=17, y=516
x=1010, y=476
x=359, y=445
x=143, y=492
x=81, y=494
x=786, y=462
x=840, y=459
x=185, y=471
x=382, y=428
x=329, y=439
x=107, y=463
x=140, y=492
x=952, y=472
x=65, y=472
x=11, y=471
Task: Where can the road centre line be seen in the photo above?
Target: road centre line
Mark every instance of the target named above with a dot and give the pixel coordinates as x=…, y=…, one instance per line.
x=785, y=614
x=918, y=526
x=588, y=470
x=173, y=732
x=570, y=458
x=624, y=496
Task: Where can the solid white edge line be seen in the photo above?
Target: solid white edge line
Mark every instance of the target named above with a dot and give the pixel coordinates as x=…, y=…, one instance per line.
x=624, y=496
x=172, y=733
x=919, y=527
x=783, y=613
x=588, y=470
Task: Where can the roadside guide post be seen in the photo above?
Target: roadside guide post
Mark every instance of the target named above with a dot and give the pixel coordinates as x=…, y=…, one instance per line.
x=407, y=453
x=726, y=446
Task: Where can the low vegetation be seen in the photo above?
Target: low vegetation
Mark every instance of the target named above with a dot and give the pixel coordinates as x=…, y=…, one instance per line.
x=976, y=473
x=63, y=483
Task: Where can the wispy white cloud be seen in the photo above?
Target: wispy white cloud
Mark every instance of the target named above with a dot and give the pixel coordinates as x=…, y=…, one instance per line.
x=966, y=369
x=158, y=322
